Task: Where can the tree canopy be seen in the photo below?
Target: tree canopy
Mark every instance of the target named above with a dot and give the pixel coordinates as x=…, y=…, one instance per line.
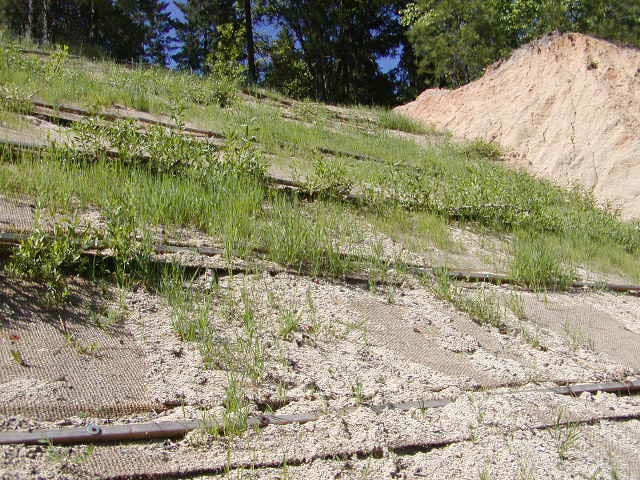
x=327, y=50
x=454, y=40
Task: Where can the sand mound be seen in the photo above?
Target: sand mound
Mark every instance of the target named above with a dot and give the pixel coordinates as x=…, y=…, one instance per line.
x=567, y=107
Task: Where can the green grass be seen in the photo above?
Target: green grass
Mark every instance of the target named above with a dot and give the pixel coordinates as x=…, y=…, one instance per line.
x=396, y=121
x=482, y=306
x=417, y=231
x=539, y=264
x=437, y=185
x=238, y=211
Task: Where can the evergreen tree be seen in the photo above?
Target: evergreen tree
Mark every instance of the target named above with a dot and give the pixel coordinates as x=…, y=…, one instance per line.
x=454, y=40
x=198, y=34
x=340, y=42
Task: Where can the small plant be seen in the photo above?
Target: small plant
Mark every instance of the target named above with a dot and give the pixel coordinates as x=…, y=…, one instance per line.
x=378, y=265
x=64, y=455
x=483, y=149
x=329, y=179
x=289, y=323
x=357, y=389
x=577, y=337
x=396, y=121
x=592, y=63
x=515, y=303
x=485, y=474
x=132, y=255
x=236, y=415
x=483, y=307
x=18, y=358
x=80, y=347
x=566, y=434
x=54, y=64
x=532, y=339
x=539, y=265
x=240, y=158
x=48, y=258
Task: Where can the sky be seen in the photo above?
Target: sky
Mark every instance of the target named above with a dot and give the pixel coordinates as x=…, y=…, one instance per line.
x=385, y=63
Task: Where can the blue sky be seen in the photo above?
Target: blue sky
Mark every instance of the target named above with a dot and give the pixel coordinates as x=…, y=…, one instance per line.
x=386, y=63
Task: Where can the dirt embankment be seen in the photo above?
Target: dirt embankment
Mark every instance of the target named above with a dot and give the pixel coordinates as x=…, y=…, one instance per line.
x=566, y=107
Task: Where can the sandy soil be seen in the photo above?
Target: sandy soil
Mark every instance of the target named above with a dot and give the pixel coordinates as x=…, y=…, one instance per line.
x=353, y=346
x=567, y=107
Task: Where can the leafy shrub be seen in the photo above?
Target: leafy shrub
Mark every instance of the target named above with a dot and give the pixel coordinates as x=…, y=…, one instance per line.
x=131, y=251
x=159, y=148
x=241, y=159
x=329, y=179
x=483, y=149
x=48, y=257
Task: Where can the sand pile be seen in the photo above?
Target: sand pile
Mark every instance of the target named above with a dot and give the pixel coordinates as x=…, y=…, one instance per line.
x=566, y=107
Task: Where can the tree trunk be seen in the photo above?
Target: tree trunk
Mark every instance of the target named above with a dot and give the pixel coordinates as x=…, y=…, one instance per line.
x=30, y=20
x=45, y=14
x=251, y=56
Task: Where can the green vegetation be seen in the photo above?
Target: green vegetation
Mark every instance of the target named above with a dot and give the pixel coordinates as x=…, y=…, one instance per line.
x=539, y=264
x=412, y=193
x=566, y=434
x=483, y=306
x=454, y=40
x=396, y=121
x=48, y=258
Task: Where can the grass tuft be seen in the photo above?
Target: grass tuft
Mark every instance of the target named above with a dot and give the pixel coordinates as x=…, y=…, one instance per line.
x=539, y=264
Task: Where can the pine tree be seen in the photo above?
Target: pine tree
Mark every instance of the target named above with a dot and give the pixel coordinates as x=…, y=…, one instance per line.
x=198, y=34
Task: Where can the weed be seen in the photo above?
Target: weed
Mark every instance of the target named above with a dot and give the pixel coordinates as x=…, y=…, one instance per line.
x=65, y=455
x=566, y=435
x=532, y=339
x=525, y=472
x=483, y=307
x=48, y=257
x=539, y=265
x=378, y=265
x=515, y=303
x=396, y=121
x=289, y=323
x=241, y=158
x=329, y=179
x=236, y=415
x=80, y=347
x=483, y=149
x=357, y=389
x=132, y=255
x=485, y=474
x=190, y=309
x=578, y=338
x=17, y=357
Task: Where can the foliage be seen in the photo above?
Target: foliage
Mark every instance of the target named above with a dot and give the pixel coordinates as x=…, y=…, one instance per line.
x=454, y=40
x=287, y=72
x=396, y=121
x=159, y=148
x=326, y=37
x=483, y=307
x=329, y=179
x=122, y=29
x=131, y=253
x=241, y=158
x=224, y=61
x=49, y=257
x=539, y=264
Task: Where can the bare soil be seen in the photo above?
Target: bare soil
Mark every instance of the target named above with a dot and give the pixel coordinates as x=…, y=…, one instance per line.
x=567, y=108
